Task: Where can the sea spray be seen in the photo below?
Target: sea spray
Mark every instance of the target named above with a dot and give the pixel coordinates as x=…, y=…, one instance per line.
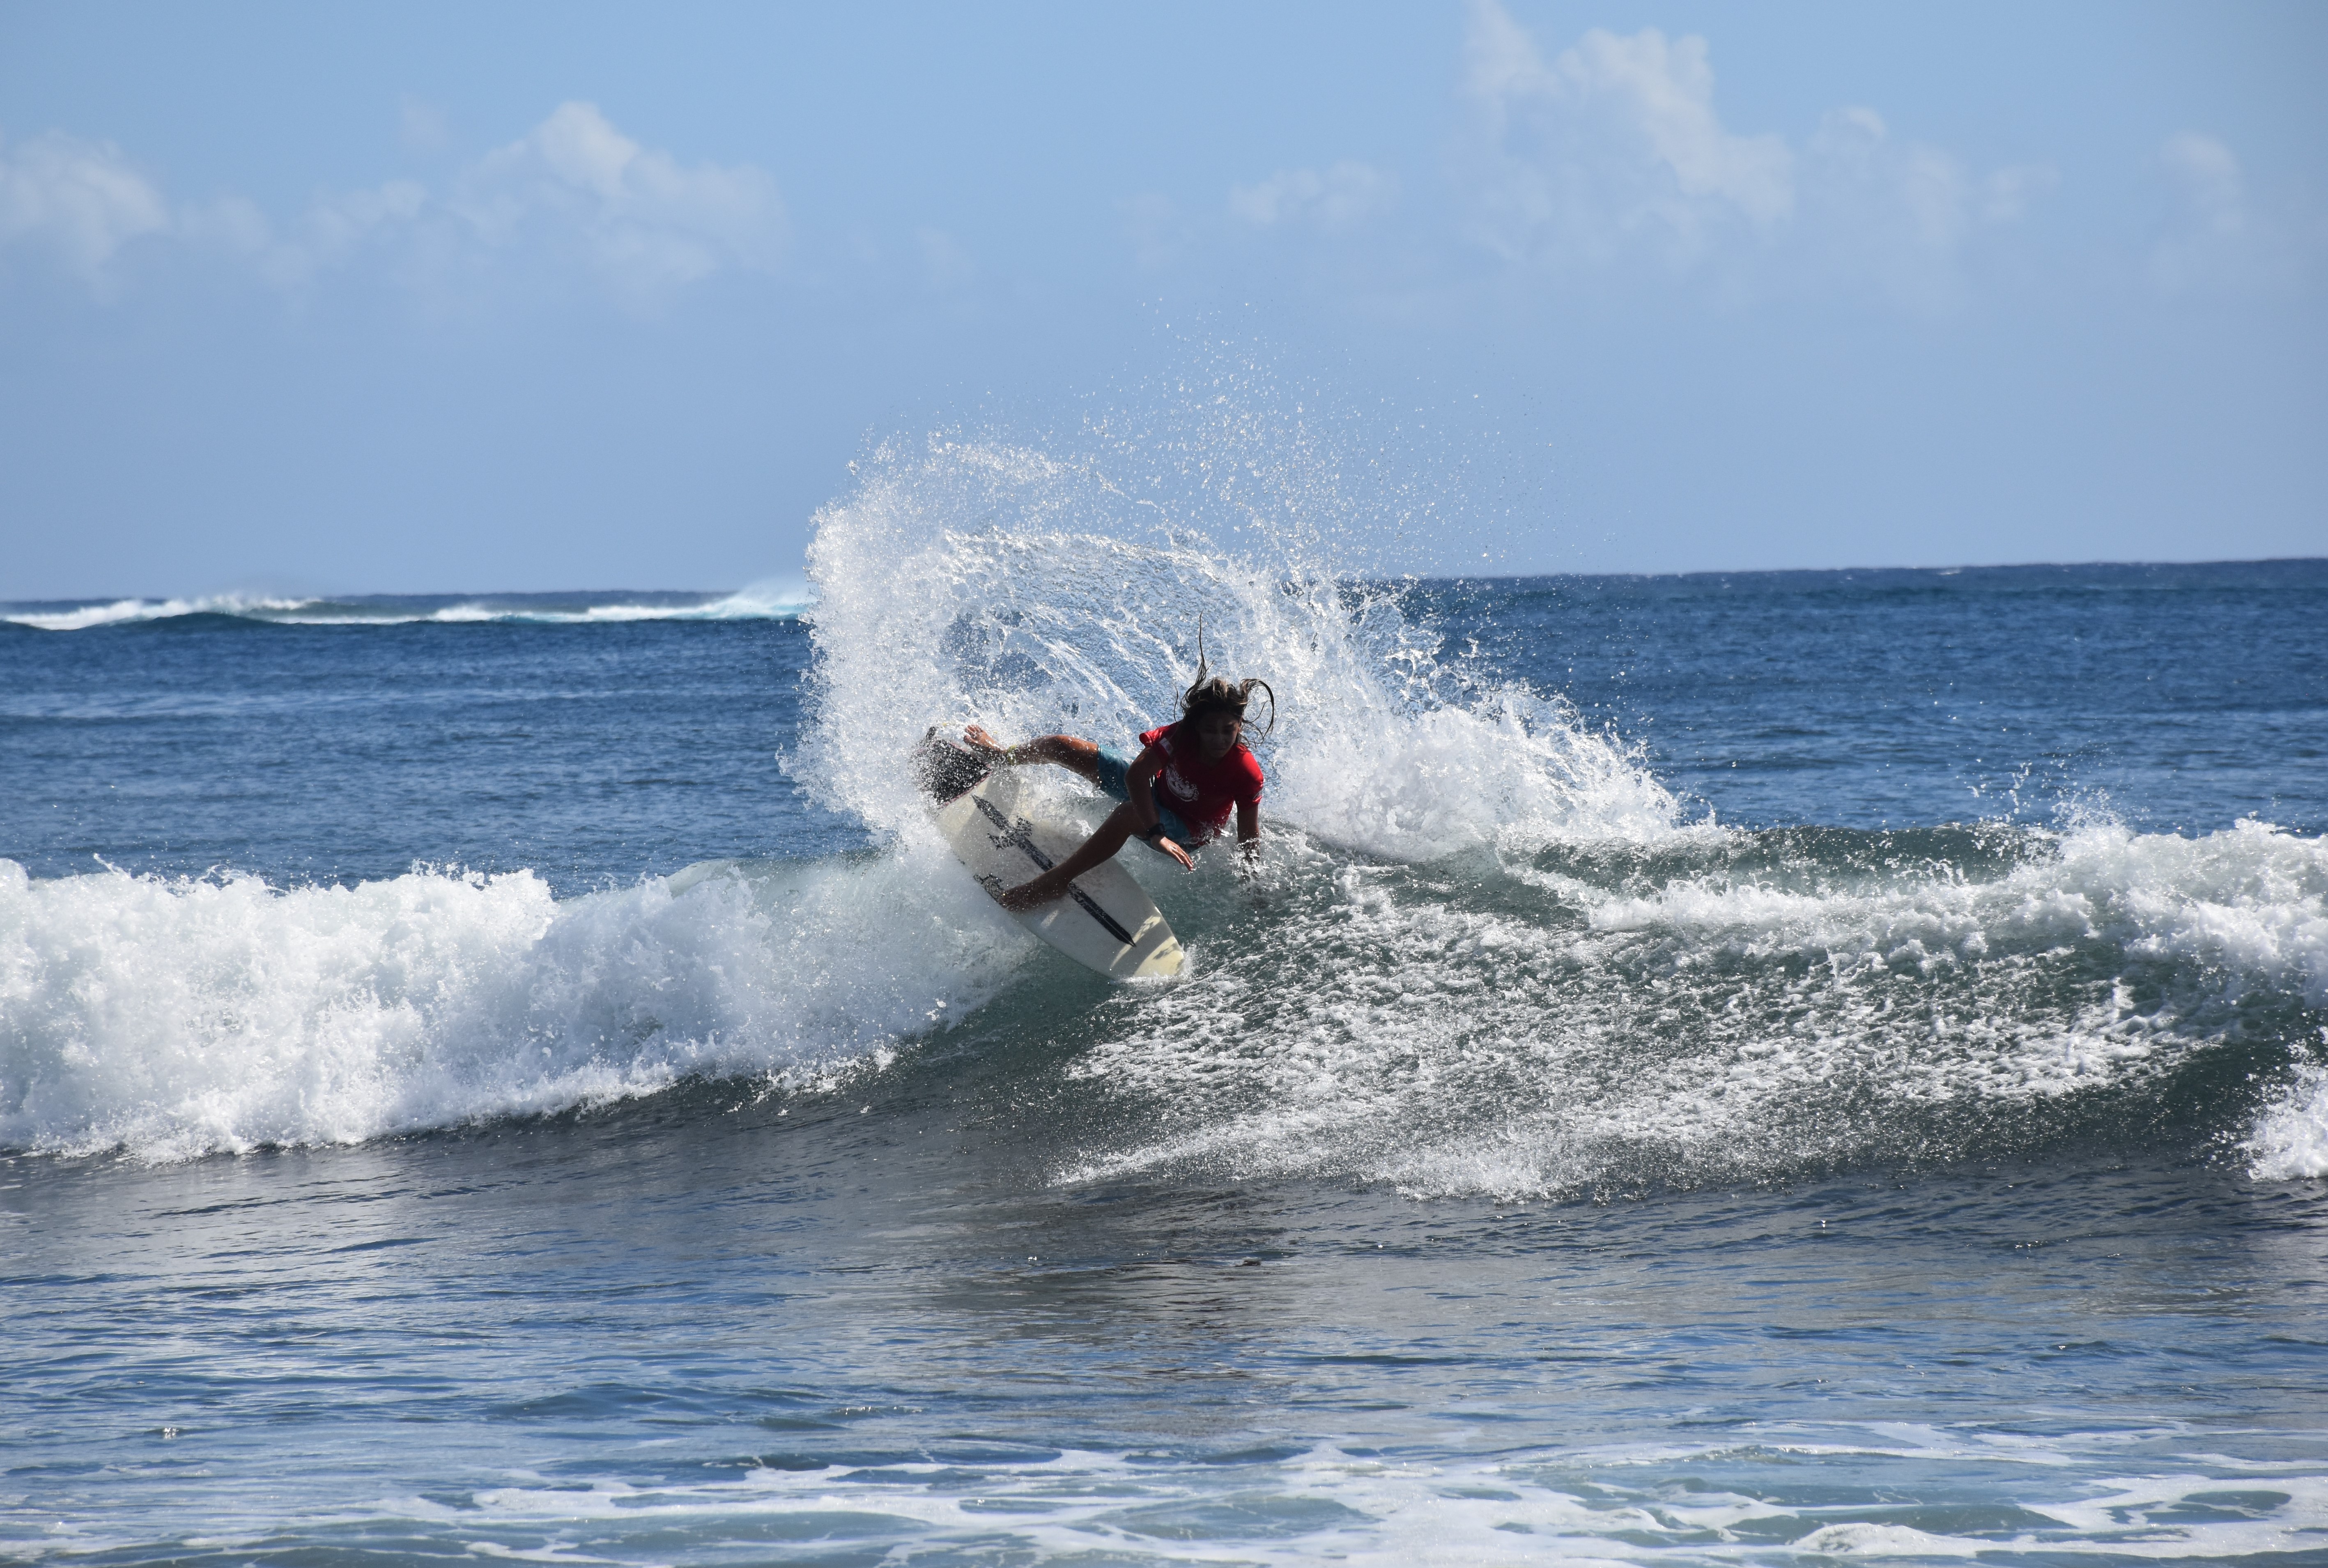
x=952, y=589
x=2289, y=1139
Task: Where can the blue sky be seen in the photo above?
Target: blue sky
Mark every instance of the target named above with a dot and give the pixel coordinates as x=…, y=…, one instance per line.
x=435, y=297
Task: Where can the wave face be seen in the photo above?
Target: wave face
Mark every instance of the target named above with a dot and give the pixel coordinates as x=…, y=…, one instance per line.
x=761, y=601
x=1746, y=1007
x=1491, y=951
x=1583, y=1018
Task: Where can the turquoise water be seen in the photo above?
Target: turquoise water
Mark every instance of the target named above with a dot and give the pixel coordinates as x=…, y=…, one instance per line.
x=1724, y=1069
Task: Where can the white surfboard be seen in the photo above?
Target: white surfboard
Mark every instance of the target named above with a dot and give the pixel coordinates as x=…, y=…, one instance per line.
x=1105, y=921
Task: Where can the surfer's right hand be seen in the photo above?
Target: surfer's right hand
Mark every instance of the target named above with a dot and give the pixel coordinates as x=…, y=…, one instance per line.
x=1166, y=846
x=1028, y=895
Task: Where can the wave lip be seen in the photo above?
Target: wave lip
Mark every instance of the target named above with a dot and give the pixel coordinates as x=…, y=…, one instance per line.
x=79, y=616
x=774, y=599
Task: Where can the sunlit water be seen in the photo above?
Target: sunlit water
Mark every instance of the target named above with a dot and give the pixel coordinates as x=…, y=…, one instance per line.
x=1715, y=1069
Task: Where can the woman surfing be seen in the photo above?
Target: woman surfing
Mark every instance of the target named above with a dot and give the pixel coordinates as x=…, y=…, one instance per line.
x=1190, y=778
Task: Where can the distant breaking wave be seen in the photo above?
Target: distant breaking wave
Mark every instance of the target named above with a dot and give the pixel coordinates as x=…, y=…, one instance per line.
x=766, y=601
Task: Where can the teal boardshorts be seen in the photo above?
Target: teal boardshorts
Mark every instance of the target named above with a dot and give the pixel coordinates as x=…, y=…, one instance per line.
x=1113, y=765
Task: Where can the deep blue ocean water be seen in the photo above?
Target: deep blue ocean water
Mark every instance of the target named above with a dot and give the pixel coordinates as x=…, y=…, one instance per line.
x=1761, y=1069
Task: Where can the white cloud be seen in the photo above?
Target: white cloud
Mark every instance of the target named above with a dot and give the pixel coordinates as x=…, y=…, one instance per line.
x=79, y=201
x=2218, y=236
x=1346, y=195
x=330, y=234
x=2007, y=194
x=1899, y=215
x=574, y=189
x=646, y=221
x=1614, y=150
x=2207, y=176
x=1612, y=145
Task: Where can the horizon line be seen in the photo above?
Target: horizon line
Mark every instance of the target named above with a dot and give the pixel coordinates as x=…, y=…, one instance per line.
x=282, y=597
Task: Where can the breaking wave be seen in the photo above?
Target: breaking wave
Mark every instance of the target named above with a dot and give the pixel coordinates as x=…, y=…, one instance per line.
x=760, y=602
x=1491, y=953
x=1747, y=1008
x=175, y=1016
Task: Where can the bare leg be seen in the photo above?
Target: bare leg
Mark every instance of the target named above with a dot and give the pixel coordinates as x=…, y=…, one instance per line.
x=1106, y=841
x=1071, y=752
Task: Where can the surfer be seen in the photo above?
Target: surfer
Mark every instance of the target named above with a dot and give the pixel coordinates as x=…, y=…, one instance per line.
x=1199, y=764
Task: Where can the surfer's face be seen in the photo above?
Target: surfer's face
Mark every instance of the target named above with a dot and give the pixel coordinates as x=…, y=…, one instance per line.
x=1216, y=732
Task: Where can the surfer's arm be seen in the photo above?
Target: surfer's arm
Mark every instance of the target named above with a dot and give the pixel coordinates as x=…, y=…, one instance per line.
x=1139, y=786
x=1248, y=838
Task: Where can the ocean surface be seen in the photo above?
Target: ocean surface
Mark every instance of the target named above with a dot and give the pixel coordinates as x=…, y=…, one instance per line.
x=1766, y=1068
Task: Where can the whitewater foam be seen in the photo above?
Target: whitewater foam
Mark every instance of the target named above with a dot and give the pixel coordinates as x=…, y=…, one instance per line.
x=1449, y=1031
x=2289, y=1141
x=776, y=599
x=1643, y=1503
x=174, y=1017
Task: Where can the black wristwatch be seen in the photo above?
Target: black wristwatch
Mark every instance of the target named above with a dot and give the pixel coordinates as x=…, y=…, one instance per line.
x=1152, y=834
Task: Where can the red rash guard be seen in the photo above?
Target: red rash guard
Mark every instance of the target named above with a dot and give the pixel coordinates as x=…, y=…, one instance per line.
x=1202, y=793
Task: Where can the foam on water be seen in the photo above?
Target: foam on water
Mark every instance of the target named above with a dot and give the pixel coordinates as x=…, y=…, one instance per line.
x=75, y=617
x=772, y=600
x=175, y=1017
x=1603, y=992
x=2289, y=1141
x=2068, y=1499
x=1557, y=1023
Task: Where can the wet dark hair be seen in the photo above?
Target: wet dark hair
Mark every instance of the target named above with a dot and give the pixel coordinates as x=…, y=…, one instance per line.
x=1213, y=693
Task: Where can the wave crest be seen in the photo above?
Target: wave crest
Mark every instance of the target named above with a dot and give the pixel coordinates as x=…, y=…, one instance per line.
x=772, y=600
x=178, y=1017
